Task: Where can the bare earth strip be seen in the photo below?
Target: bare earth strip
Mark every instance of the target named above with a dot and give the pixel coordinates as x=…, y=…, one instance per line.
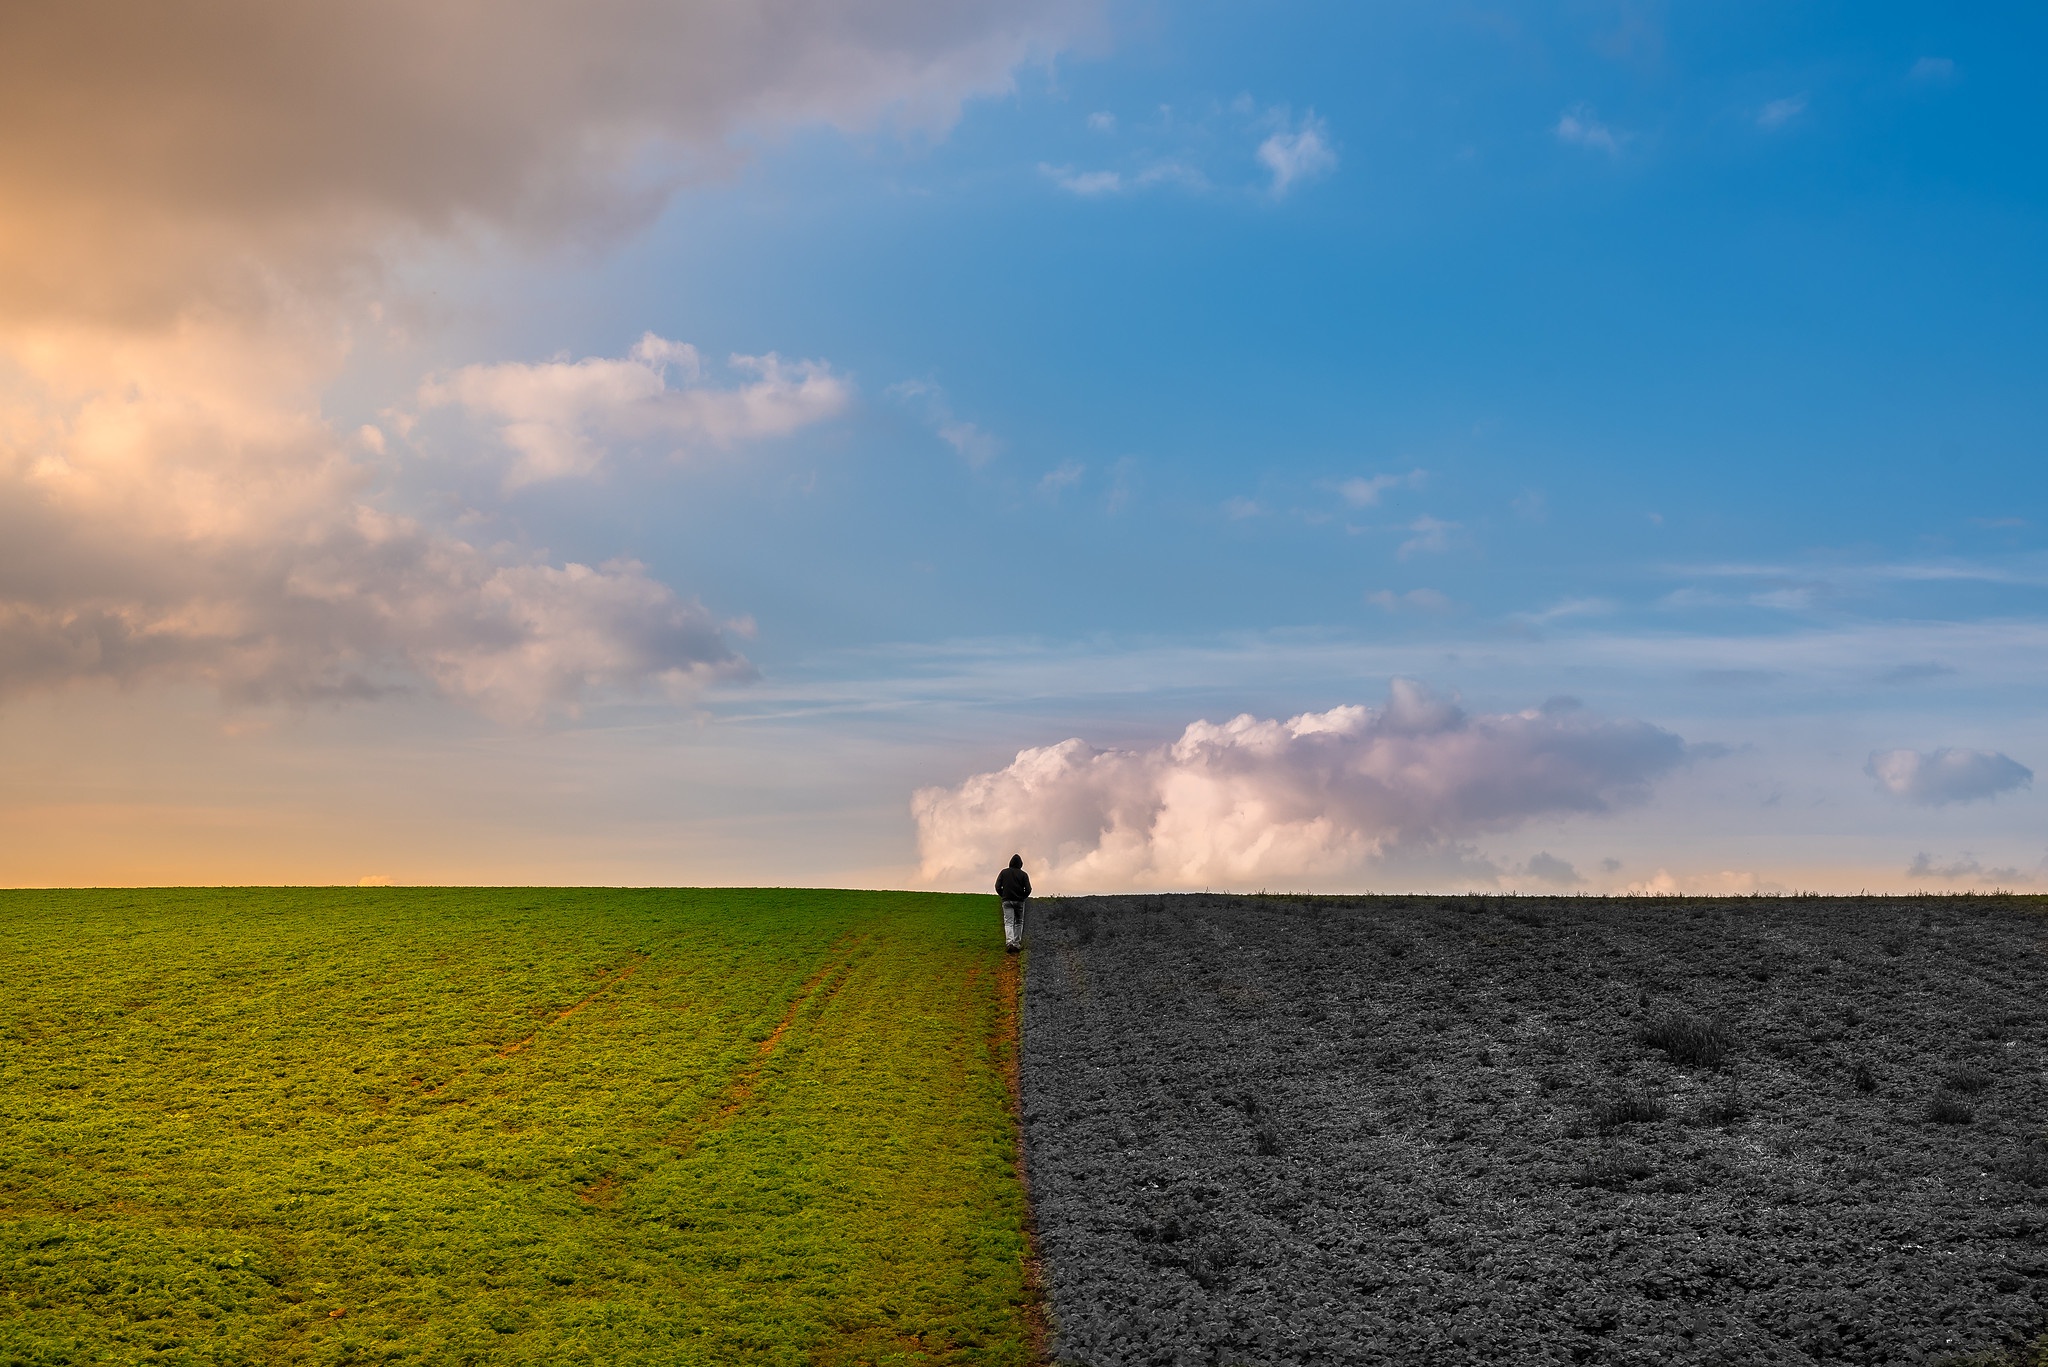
x=611, y=981
x=1006, y=1047
x=1442, y=1131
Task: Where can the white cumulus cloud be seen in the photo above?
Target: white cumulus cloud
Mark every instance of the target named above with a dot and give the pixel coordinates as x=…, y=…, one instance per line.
x=1938, y=777
x=184, y=512
x=559, y=416
x=1320, y=796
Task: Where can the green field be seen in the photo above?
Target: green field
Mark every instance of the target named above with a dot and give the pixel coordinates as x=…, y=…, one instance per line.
x=532, y=1126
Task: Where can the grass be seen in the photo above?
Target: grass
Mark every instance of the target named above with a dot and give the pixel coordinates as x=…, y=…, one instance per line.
x=1688, y=1039
x=507, y=1126
x=1627, y=1108
x=1945, y=1108
x=1967, y=1079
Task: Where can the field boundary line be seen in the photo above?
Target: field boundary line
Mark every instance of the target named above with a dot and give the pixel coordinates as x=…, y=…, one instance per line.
x=1006, y=1048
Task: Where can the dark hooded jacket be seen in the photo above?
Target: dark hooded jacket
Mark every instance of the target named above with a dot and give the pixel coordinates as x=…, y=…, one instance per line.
x=1013, y=884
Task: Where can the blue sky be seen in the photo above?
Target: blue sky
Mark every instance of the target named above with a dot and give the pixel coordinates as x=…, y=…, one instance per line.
x=1188, y=362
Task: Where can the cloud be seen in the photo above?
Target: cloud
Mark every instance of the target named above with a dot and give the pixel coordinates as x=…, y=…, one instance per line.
x=1295, y=154
x=183, y=512
x=1093, y=184
x=1320, y=796
x=1932, y=71
x=1545, y=867
x=1067, y=474
x=1778, y=113
x=1946, y=775
x=1087, y=184
x=197, y=204
x=1102, y=122
x=972, y=444
x=559, y=415
x=1429, y=535
x=155, y=158
x=1566, y=609
x=1417, y=600
x=1918, y=672
x=1967, y=870
x=1578, y=127
x=1361, y=492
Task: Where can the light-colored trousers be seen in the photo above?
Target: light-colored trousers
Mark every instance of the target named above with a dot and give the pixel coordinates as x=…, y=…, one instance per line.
x=1013, y=924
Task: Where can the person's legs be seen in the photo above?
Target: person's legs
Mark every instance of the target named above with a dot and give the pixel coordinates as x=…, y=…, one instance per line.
x=1013, y=924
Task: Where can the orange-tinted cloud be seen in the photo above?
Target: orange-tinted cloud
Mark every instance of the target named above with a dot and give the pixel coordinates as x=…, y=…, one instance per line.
x=190, y=197
x=160, y=153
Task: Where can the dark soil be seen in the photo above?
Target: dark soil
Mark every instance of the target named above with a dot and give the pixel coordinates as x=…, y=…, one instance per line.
x=1520, y=1130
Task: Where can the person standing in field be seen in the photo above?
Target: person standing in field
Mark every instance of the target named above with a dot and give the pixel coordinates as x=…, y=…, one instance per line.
x=1013, y=885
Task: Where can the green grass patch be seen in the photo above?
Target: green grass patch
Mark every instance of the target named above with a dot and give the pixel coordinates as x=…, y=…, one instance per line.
x=508, y=1126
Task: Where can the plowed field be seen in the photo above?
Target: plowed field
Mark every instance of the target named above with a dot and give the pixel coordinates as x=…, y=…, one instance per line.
x=1510, y=1131
x=506, y=1126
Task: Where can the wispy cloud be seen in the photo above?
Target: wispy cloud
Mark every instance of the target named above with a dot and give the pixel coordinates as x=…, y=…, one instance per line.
x=1297, y=153
x=1428, y=535
x=1064, y=476
x=1578, y=126
x=1918, y=672
x=1084, y=183
x=1566, y=608
x=1778, y=113
x=969, y=441
x=1967, y=869
x=1414, y=600
x=1932, y=71
x=1365, y=491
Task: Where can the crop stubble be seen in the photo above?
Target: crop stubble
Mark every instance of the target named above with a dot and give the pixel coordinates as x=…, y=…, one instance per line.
x=1421, y=1130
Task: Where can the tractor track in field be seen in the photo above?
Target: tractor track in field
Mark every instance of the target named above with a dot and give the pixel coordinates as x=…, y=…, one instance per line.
x=821, y=986
x=612, y=978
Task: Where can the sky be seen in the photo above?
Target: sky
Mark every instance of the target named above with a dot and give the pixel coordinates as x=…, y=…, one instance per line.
x=1591, y=446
